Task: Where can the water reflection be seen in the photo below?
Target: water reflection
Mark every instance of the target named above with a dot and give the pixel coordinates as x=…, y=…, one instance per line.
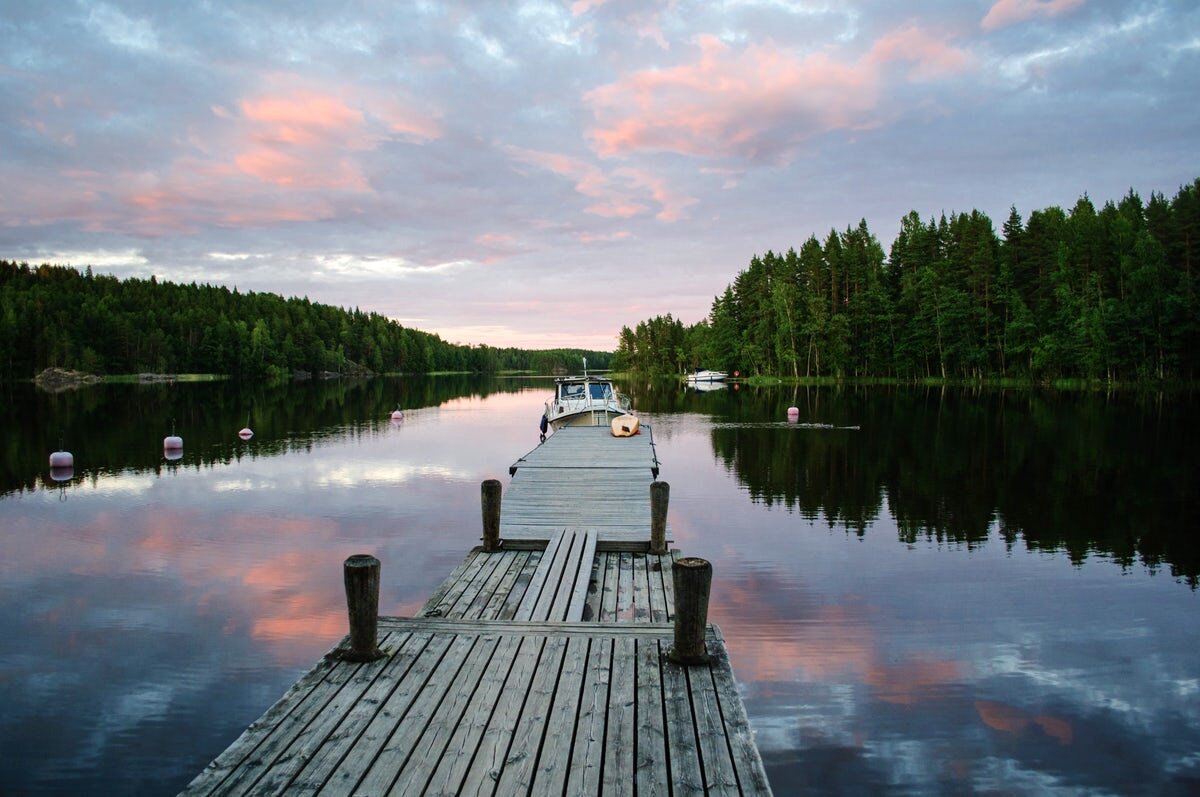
x=1082, y=473
x=115, y=428
x=901, y=621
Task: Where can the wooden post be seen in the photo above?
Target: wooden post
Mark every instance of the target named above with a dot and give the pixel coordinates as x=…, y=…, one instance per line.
x=660, y=497
x=361, y=573
x=693, y=580
x=489, y=497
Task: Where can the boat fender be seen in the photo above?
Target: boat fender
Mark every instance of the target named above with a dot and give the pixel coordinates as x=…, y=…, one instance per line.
x=545, y=424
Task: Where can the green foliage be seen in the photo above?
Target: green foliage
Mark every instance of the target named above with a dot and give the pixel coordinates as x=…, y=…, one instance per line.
x=1096, y=295
x=59, y=316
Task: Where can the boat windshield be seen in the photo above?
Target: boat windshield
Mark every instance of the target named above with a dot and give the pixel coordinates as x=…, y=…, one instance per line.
x=600, y=390
x=571, y=390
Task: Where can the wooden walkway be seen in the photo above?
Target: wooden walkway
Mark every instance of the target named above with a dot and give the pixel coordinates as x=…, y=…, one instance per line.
x=532, y=671
x=582, y=477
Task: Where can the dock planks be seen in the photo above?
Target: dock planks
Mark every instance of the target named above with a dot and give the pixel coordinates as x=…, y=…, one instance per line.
x=582, y=477
x=487, y=707
x=539, y=668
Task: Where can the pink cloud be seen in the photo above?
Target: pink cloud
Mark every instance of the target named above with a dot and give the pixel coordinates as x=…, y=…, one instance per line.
x=1011, y=12
x=305, y=119
x=931, y=58
x=611, y=201
x=759, y=101
x=302, y=139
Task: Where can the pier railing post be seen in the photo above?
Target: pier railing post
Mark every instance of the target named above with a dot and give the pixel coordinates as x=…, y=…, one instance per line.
x=489, y=497
x=660, y=497
x=692, y=578
x=361, y=573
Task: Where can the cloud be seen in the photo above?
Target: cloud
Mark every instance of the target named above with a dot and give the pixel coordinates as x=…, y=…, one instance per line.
x=610, y=200
x=1011, y=12
x=757, y=102
x=121, y=30
x=931, y=58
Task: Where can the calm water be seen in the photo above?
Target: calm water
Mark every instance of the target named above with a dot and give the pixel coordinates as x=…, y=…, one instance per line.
x=923, y=592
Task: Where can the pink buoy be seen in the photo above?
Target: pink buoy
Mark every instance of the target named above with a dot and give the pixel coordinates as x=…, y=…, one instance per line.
x=62, y=473
x=246, y=433
x=397, y=415
x=173, y=454
x=172, y=443
x=62, y=459
x=793, y=414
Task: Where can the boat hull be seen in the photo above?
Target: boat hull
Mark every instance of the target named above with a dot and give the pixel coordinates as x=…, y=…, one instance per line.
x=700, y=377
x=591, y=417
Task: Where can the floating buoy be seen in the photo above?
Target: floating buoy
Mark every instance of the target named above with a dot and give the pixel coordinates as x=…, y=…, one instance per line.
x=62, y=459
x=62, y=473
x=173, y=442
x=397, y=414
x=173, y=454
x=246, y=433
x=793, y=414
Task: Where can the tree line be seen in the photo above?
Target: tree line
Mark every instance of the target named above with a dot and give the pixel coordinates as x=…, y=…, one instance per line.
x=1097, y=294
x=59, y=316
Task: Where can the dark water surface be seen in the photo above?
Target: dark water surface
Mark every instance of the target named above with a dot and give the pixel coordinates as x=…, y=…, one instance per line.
x=923, y=591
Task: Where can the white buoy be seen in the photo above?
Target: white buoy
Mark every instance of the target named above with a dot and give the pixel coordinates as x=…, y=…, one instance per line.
x=246, y=433
x=793, y=414
x=62, y=459
x=173, y=442
x=397, y=414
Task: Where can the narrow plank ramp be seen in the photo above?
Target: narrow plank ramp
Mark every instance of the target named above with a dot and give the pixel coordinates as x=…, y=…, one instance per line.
x=559, y=587
x=478, y=707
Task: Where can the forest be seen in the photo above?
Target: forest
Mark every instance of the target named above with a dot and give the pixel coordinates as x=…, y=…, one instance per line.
x=1104, y=294
x=58, y=316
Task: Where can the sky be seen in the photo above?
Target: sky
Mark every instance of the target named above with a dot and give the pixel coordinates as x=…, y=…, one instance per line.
x=539, y=174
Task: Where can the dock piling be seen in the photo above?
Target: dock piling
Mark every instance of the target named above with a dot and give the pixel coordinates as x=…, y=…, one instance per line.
x=490, y=503
x=361, y=574
x=693, y=581
x=660, y=497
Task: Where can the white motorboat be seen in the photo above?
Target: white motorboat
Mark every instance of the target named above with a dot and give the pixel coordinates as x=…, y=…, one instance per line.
x=707, y=376
x=584, y=401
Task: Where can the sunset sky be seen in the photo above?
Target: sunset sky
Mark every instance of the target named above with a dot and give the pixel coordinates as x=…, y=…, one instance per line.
x=538, y=174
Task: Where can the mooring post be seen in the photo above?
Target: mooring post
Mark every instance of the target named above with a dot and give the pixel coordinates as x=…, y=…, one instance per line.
x=361, y=573
x=489, y=497
x=660, y=497
x=692, y=577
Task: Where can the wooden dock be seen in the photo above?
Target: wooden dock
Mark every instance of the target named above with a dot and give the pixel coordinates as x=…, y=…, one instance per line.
x=582, y=477
x=542, y=669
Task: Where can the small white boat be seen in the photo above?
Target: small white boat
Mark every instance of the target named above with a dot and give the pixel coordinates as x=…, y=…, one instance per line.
x=584, y=401
x=707, y=376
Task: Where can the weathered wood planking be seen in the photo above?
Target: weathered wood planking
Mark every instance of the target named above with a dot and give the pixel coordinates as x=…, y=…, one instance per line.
x=535, y=669
x=591, y=447
x=587, y=587
x=582, y=477
x=559, y=585
x=484, y=707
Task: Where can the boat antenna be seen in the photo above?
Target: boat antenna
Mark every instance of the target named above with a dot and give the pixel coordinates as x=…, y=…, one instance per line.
x=585, y=366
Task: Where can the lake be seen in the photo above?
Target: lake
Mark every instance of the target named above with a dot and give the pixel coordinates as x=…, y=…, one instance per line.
x=923, y=591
